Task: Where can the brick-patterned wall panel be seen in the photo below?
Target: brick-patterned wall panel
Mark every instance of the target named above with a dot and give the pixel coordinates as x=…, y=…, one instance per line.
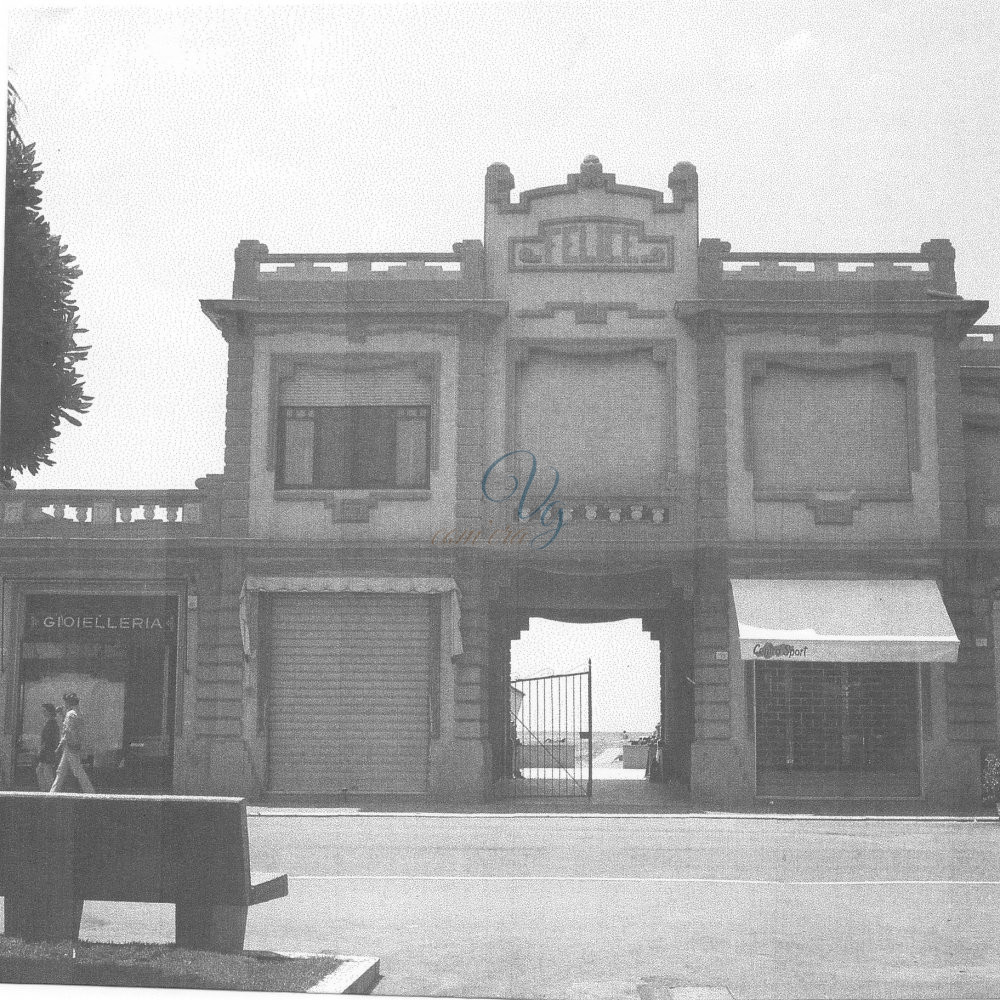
x=712, y=477
x=219, y=671
x=236, y=487
x=711, y=678
x=471, y=708
x=950, y=439
x=470, y=463
x=971, y=685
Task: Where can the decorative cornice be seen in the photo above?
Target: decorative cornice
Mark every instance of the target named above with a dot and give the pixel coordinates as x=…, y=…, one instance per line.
x=219, y=311
x=819, y=314
x=592, y=312
x=828, y=510
x=356, y=510
x=663, y=350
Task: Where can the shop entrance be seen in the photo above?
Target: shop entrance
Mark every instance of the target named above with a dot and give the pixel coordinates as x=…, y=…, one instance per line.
x=837, y=730
x=119, y=656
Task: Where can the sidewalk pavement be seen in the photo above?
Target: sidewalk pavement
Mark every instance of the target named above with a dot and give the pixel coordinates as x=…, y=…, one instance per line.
x=639, y=907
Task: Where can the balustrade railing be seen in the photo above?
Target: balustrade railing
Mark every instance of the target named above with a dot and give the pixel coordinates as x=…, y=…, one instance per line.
x=933, y=267
x=104, y=511
x=258, y=270
x=652, y=511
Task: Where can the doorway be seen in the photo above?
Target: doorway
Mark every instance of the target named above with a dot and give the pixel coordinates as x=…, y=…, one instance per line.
x=618, y=752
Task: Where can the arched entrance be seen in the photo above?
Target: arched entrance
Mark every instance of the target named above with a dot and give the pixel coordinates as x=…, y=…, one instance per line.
x=658, y=616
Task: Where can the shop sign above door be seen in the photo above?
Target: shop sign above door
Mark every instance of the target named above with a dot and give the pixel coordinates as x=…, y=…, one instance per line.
x=55, y=618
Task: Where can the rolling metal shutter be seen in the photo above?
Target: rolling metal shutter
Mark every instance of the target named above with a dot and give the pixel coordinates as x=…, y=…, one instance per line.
x=348, y=692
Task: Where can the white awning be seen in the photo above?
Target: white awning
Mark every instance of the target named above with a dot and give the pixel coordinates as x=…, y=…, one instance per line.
x=853, y=621
x=359, y=585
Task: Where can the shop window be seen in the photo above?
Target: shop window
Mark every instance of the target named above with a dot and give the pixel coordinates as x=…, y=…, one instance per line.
x=837, y=729
x=830, y=430
x=119, y=656
x=354, y=447
x=982, y=476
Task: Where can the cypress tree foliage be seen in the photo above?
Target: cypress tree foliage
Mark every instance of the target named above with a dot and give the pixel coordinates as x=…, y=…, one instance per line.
x=40, y=384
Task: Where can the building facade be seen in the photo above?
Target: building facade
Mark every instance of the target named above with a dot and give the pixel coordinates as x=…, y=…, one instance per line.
x=786, y=465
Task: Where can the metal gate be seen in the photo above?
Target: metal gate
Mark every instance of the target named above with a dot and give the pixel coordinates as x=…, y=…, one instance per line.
x=548, y=752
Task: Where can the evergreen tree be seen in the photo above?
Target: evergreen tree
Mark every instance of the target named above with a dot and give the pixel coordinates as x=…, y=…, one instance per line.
x=40, y=384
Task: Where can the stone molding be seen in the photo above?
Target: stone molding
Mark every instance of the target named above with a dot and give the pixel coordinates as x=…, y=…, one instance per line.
x=663, y=352
x=833, y=506
x=525, y=254
x=683, y=184
x=713, y=464
x=592, y=313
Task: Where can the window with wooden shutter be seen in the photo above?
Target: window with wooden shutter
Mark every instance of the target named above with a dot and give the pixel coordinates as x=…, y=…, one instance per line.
x=353, y=447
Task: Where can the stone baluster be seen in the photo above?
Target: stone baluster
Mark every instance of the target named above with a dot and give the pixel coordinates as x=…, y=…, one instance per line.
x=591, y=511
x=171, y=512
x=637, y=512
x=657, y=516
x=80, y=513
x=59, y=511
x=125, y=514
x=149, y=511
x=103, y=512
x=14, y=513
x=615, y=514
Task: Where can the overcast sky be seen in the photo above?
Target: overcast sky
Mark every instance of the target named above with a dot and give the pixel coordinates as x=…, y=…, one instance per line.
x=625, y=670
x=166, y=136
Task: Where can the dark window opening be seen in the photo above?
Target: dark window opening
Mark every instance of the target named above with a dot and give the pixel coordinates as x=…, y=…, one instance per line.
x=354, y=447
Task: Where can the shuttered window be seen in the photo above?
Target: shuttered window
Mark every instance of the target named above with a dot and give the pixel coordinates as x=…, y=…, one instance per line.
x=353, y=447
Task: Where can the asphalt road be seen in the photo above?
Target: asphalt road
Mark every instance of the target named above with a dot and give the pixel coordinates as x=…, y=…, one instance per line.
x=628, y=907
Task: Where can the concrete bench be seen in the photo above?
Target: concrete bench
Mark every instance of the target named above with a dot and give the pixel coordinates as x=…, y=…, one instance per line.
x=56, y=851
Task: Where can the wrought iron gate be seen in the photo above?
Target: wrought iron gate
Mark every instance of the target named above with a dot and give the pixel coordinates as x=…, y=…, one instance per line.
x=548, y=751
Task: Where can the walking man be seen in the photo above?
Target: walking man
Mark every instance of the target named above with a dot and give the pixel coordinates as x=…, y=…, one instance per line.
x=45, y=770
x=72, y=746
